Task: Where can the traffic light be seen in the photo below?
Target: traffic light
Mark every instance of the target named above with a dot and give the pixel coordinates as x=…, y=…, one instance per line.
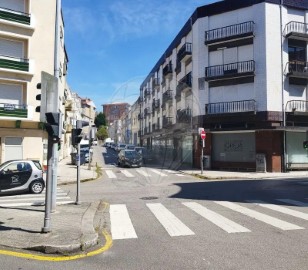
x=76, y=136
x=53, y=124
x=41, y=97
x=305, y=145
x=200, y=142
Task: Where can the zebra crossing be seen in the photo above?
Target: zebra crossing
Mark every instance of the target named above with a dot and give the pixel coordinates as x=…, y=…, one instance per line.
x=33, y=199
x=149, y=172
x=122, y=225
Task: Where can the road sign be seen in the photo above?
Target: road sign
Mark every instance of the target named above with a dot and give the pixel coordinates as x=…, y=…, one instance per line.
x=203, y=135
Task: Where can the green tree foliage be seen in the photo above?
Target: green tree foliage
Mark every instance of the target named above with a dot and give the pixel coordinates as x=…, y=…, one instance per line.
x=100, y=120
x=102, y=133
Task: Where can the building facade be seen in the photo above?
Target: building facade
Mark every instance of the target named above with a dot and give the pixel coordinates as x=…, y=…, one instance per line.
x=238, y=69
x=27, y=47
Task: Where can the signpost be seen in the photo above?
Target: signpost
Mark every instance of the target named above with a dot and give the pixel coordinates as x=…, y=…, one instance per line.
x=203, y=136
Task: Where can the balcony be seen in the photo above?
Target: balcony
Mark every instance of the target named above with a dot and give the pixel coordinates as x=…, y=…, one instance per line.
x=183, y=116
x=231, y=107
x=147, y=92
x=233, y=70
x=9, y=62
x=297, y=69
x=155, y=104
x=229, y=33
x=184, y=84
x=296, y=30
x=167, y=70
x=147, y=111
x=140, y=116
x=167, y=121
x=185, y=52
x=13, y=110
x=167, y=96
x=155, y=83
x=14, y=16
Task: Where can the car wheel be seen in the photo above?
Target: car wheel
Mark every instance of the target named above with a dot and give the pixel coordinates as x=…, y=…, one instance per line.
x=37, y=187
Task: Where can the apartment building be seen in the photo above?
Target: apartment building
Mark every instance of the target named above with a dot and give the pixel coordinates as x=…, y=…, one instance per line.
x=27, y=47
x=239, y=70
x=134, y=123
x=113, y=111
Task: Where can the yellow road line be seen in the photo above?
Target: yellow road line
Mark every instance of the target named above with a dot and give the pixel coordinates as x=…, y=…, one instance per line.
x=107, y=246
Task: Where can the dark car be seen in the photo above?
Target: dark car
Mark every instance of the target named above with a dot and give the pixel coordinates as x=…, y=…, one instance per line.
x=130, y=158
x=21, y=175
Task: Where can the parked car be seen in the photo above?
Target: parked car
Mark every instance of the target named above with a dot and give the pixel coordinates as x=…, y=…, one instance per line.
x=130, y=158
x=147, y=155
x=130, y=147
x=120, y=146
x=21, y=175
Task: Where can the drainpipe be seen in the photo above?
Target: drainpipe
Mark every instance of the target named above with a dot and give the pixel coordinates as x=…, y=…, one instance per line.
x=282, y=91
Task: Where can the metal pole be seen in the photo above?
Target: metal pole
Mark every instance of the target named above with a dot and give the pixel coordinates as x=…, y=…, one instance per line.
x=78, y=175
x=202, y=161
x=54, y=176
x=47, y=218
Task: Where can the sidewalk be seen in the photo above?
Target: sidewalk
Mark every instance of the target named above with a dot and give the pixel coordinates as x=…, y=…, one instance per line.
x=72, y=225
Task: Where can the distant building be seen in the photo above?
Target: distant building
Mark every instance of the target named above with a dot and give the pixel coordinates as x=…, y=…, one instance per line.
x=114, y=111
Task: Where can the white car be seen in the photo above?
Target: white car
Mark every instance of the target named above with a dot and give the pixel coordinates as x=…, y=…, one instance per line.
x=21, y=175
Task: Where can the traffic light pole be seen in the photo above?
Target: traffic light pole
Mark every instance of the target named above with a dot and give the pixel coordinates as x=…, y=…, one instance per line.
x=78, y=175
x=54, y=176
x=47, y=219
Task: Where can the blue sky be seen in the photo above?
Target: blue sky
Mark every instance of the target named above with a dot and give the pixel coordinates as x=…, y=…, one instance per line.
x=113, y=44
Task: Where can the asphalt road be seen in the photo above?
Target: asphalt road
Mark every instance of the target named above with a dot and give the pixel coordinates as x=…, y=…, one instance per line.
x=160, y=219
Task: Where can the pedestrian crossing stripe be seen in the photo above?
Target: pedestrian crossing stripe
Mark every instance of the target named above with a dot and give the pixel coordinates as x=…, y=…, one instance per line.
x=122, y=226
x=142, y=173
x=110, y=174
x=127, y=173
x=158, y=172
x=283, y=225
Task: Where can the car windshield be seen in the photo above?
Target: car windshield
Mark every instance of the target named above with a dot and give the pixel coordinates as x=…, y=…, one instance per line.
x=4, y=164
x=122, y=145
x=37, y=164
x=131, y=154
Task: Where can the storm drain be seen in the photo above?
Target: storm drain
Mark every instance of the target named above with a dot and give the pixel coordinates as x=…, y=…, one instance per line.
x=149, y=198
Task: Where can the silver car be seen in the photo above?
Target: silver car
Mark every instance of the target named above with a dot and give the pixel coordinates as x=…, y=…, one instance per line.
x=21, y=175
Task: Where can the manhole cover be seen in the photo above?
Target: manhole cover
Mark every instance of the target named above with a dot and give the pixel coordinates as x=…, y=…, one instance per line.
x=149, y=198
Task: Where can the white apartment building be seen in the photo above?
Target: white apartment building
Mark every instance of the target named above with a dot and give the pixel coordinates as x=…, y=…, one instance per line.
x=239, y=70
x=27, y=47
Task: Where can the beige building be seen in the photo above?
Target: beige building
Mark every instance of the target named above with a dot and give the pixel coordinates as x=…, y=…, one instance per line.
x=27, y=47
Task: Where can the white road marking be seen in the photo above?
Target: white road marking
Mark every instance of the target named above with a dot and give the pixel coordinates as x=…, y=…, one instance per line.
x=293, y=202
x=283, y=225
x=170, y=222
x=127, y=173
x=142, y=173
x=121, y=224
x=226, y=224
x=110, y=174
x=158, y=172
x=281, y=209
x=178, y=174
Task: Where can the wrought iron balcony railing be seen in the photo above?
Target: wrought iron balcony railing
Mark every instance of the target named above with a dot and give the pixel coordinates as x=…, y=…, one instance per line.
x=167, y=121
x=184, y=116
x=296, y=29
x=155, y=104
x=229, y=32
x=184, y=52
x=147, y=92
x=297, y=69
x=231, y=107
x=14, y=16
x=13, y=110
x=297, y=106
x=246, y=68
x=147, y=111
x=167, y=96
x=184, y=83
x=167, y=69
x=10, y=62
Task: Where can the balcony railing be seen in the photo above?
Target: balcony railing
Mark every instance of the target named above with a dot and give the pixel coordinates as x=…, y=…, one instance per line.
x=246, y=68
x=14, y=16
x=297, y=106
x=167, y=70
x=184, y=83
x=13, y=110
x=147, y=111
x=147, y=92
x=167, y=121
x=167, y=96
x=297, y=69
x=185, y=52
x=229, y=32
x=231, y=107
x=155, y=104
x=10, y=62
x=155, y=83
x=140, y=116
x=184, y=116
x=296, y=29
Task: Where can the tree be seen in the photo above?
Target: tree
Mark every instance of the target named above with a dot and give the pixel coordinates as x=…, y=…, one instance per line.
x=100, y=120
x=102, y=133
